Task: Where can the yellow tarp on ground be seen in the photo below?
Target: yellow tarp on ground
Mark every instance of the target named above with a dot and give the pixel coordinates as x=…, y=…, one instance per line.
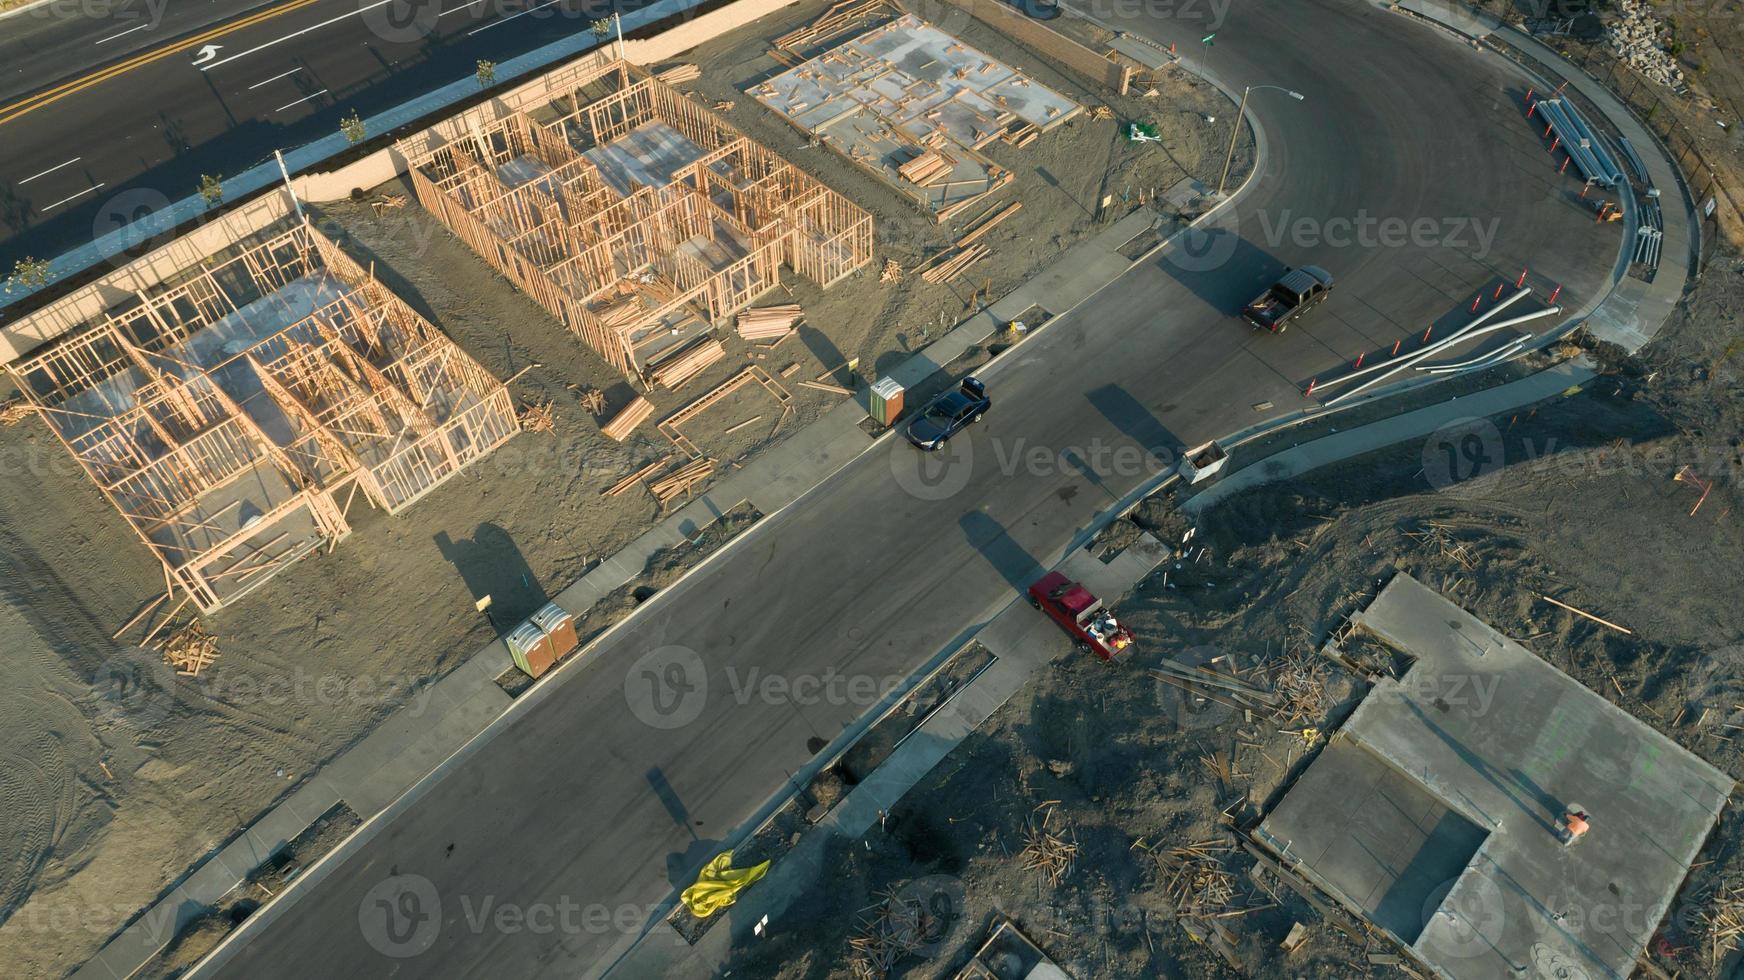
x=719, y=885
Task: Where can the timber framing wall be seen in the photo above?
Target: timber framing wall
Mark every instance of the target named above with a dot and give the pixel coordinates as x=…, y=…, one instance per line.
x=223, y=412
x=627, y=266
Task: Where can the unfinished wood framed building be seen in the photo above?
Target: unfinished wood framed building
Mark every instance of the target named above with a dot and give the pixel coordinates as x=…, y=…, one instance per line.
x=225, y=412
x=635, y=216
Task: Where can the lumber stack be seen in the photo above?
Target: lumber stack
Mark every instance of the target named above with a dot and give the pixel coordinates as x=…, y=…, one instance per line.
x=687, y=364
x=929, y=166
x=682, y=481
x=768, y=321
x=956, y=262
x=625, y=422
x=680, y=73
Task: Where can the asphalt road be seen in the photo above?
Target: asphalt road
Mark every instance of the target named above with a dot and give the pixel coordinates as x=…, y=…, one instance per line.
x=595, y=799
x=105, y=114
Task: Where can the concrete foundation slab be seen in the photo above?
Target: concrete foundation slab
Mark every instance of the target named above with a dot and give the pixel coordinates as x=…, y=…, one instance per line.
x=1436, y=811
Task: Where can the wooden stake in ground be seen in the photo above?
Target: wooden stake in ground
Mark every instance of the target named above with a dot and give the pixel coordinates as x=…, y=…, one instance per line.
x=1588, y=615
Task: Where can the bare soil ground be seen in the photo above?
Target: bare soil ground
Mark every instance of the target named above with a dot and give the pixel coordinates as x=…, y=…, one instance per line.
x=1587, y=509
x=118, y=776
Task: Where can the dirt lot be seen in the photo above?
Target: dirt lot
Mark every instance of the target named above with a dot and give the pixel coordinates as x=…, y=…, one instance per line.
x=121, y=776
x=1587, y=509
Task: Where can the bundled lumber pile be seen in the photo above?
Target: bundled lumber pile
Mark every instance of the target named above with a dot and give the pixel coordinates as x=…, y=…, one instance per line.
x=625, y=422
x=1046, y=850
x=954, y=263
x=769, y=321
x=618, y=488
x=681, y=367
x=1021, y=136
x=682, y=481
x=538, y=418
x=680, y=73
x=926, y=168
x=1221, y=686
x=191, y=649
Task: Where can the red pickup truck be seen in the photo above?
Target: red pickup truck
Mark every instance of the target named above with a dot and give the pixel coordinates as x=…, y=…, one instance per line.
x=1082, y=614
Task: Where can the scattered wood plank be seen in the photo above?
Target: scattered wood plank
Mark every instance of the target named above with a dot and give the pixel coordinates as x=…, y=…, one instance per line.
x=955, y=263
x=734, y=428
x=140, y=615
x=673, y=372
x=986, y=226
x=769, y=321
x=538, y=417
x=191, y=649
x=1582, y=612
x=822, y=386
x=627, y=482
x=625, y=422
x=669, y=425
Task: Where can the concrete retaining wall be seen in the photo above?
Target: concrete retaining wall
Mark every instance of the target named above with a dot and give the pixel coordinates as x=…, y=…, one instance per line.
x=1055, y=46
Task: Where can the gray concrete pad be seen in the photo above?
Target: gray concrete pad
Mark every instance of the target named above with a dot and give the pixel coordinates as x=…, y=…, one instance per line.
x=1445, y=789
x=884, y=96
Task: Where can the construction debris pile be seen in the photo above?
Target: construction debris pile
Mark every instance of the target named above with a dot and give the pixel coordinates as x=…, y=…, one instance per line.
x=1722, y=916
x=1045, y=849
x=1204, y=894
x=894, y=928
x=1637, y=39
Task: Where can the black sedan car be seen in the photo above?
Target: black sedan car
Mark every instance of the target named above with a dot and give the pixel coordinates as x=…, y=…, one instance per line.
x=948, y=414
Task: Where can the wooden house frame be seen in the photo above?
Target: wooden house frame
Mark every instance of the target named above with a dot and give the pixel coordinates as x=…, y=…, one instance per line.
x=637, y=271
x=224, y=412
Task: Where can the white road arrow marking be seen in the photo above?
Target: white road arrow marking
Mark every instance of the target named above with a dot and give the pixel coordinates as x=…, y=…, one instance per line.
x=207, y=53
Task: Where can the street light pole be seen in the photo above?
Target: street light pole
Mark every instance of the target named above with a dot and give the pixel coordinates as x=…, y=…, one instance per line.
x=1235, y=131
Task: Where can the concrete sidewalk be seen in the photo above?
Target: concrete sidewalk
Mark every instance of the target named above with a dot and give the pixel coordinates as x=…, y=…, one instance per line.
x=420, y=737
x=1546, y=384
x=1022, y=641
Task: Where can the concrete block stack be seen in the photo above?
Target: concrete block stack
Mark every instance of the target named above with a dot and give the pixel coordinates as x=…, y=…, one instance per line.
x=1636, y=37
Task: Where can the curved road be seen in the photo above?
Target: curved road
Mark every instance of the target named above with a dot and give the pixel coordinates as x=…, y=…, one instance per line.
x=582, y=802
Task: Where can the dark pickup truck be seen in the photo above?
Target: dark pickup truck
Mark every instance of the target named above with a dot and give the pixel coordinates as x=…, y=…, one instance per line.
x=1296, y=291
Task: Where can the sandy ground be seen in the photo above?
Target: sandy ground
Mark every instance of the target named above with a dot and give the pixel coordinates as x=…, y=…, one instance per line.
x=118, y=777
x=1586, y=509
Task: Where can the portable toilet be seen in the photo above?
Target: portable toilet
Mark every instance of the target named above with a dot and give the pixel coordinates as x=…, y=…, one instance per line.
x=886, y=401
x=530, y=648
x=559, y=628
